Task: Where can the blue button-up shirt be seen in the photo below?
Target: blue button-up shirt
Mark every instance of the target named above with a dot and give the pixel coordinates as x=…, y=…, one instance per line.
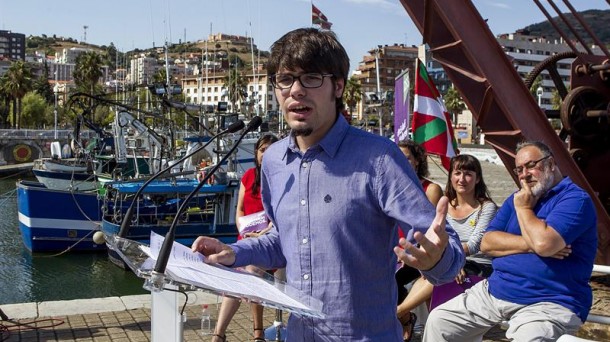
x=336, y=208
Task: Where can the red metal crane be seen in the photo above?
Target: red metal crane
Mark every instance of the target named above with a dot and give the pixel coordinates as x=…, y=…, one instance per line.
x=507, y=113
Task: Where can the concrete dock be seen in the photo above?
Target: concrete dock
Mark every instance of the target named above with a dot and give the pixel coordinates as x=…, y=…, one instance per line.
x=118, y=319
x=15, y=169
x=122, y=319
x=127, y=319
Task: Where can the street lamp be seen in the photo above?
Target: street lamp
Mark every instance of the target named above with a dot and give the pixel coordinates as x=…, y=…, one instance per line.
x=55, y=91
x=539, y=92
x=377, y=51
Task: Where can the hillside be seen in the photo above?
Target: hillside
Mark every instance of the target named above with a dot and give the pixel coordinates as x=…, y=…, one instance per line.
x=55, y=44
x=597, y=19
x=52, y=44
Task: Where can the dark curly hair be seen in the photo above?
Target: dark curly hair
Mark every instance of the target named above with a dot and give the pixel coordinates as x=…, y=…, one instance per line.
x=311, y=50
x=420, y=156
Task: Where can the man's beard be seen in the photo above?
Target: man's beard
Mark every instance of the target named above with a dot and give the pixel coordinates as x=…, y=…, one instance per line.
x=544, y=184
x=302, y=132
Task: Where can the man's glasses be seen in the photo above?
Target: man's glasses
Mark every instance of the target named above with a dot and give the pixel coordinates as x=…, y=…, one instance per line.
x=529, y=165
x=309, y=80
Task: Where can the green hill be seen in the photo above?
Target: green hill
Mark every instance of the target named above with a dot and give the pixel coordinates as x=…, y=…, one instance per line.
x=597, y=19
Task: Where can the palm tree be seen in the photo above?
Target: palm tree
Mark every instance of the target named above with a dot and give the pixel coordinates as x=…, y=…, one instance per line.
x=160, y=76
x=88, y=71
x=537, y=83
x=42, y=86
x=236, y=84
x=454, y=104
x=17, y=83
x=5, y=103
x=352, y=94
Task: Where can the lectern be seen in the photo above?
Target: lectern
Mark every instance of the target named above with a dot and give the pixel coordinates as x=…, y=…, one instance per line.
x=188, y=271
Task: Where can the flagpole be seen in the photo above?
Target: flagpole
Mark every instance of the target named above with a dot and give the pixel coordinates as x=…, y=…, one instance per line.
x=310, y=10
x=410, y=121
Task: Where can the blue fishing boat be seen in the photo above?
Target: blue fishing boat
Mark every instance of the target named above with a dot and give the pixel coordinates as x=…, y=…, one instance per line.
x=53, y=220
x=210, y=212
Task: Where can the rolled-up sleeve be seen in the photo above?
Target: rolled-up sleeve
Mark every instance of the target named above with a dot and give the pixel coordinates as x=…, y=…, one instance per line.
x=402, y=197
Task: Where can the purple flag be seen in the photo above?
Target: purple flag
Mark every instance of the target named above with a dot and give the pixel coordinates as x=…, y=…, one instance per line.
x=401, y=106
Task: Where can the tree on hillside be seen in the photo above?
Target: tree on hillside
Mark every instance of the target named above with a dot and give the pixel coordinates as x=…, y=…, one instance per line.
x=454, y=104
x=352, y=94
x=236, y=85
x=36, y=111
x=88, y=71
x=42, y=86
x=111, y=55
x=235, y=62
x=18, y=82
x=160, y=76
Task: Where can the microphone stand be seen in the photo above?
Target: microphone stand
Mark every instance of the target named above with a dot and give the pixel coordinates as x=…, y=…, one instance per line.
x=126, y=223
x=157, y=278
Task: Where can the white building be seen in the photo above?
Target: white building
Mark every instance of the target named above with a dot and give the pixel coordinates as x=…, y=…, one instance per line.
x=209, y=90
x=142, y=69
x=528, y=51
x=68, y=56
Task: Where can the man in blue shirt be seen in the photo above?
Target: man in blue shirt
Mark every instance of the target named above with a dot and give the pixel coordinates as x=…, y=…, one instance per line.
x=336, y=195
x=544, y=240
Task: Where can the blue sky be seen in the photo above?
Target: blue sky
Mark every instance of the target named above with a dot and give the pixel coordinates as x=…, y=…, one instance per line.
x=361, y=25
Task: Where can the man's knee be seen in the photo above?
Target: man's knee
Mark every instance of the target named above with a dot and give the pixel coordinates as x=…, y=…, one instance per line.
x=547, y=325
x=535, y=331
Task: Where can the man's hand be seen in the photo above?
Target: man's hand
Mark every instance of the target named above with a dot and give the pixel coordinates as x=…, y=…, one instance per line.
x=563, y=253
x=460, y=276
x=524, y=198
x=214, y=250
x=430, y=246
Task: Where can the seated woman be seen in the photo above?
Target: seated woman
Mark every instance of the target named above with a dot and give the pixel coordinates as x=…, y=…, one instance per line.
x=470, y=211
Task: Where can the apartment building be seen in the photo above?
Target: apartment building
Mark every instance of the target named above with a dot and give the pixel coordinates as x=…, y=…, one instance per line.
x=209, y=90
x=527, y=51
x=377, y=72
x=12, y=45
x=142, y=69
x=68, y=56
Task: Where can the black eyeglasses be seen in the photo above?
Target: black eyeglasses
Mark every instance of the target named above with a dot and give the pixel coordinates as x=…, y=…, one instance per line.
x=309, y=80
x=529, y=165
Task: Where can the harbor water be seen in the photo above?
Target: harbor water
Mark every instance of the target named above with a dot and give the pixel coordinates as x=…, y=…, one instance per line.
x=27, y=277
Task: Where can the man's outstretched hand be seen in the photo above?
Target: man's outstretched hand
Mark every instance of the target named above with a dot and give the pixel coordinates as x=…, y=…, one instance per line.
x=214, y=250
x=430, y=246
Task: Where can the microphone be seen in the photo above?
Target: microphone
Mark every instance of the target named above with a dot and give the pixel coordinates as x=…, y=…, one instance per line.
x=172, y=104
x=254, y=124
x=126, y=223
x=158, y=274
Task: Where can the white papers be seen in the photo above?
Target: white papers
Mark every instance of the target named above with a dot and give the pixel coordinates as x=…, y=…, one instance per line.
x=189, y=266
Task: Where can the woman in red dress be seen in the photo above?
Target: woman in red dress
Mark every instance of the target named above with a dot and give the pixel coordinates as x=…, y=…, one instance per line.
x=248, y=202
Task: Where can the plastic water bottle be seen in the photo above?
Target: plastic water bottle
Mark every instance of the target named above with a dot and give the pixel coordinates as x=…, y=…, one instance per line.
x=206, y=322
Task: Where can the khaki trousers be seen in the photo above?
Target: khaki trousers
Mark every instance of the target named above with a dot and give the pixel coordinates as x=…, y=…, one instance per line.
x=470, y=315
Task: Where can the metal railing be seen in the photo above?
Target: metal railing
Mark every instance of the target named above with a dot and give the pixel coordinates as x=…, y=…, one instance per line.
x=41, y=134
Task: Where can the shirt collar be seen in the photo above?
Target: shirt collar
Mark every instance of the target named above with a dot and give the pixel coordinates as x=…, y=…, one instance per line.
x=330, y=142
x=559, y=187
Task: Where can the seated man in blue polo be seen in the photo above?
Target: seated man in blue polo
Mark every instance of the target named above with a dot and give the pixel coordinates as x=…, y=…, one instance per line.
x=543, y=241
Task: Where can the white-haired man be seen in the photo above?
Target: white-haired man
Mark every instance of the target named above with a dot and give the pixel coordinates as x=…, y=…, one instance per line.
x=543, y=241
